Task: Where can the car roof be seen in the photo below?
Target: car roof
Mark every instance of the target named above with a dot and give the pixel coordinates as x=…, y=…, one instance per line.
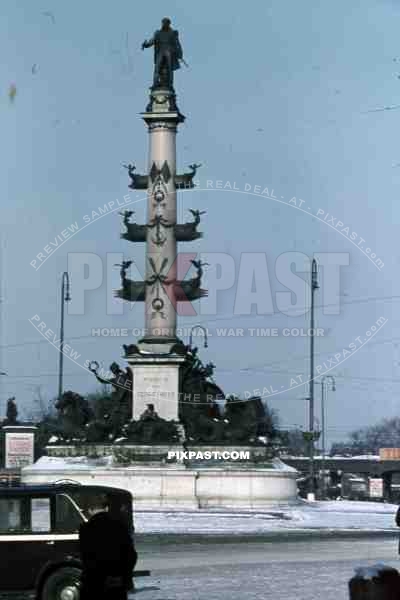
x=53, y=488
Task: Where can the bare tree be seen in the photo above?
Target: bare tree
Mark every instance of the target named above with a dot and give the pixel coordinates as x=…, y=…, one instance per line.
x=369, y=440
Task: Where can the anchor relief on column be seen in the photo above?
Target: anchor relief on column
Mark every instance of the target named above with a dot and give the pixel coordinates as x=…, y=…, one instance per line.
x=156, y=282
x=159, y=222
x=183, y=290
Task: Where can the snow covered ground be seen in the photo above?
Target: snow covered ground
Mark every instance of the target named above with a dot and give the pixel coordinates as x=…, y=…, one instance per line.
x=301, y=516
x=336, y=515
x=294, y=570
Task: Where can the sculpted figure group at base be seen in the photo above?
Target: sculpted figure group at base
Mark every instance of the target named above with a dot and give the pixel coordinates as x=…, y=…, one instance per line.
x=200, y=412
x=152, y=429
x=74, y=413
x=204, y=419
x=121, y=400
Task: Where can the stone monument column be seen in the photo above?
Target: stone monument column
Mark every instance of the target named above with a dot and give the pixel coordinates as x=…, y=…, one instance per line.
x=161, y=247
x=156, y=358
x=156, y=369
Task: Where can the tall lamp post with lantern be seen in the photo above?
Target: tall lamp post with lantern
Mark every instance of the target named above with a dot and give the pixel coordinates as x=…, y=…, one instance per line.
x=325, y=381
x=312, y=434
x=65, y=297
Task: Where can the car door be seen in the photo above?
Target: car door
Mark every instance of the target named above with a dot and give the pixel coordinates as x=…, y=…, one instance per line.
x=25, y=535
x=67, y=519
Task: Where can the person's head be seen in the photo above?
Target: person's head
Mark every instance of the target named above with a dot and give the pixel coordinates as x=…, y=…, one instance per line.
x=165, y=23
x=98, y=504
x=150, y=407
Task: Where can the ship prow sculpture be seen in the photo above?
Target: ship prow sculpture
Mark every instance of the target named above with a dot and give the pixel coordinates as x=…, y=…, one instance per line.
x=185, y=232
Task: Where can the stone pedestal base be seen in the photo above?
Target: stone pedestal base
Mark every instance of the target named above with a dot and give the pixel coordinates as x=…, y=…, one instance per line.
x=175, y=486
x=155, y=381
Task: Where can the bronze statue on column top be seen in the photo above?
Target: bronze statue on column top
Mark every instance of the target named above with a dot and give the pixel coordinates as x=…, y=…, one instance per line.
x=167, y=54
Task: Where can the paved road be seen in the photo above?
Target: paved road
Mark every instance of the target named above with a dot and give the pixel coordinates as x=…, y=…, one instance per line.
x=286, y=570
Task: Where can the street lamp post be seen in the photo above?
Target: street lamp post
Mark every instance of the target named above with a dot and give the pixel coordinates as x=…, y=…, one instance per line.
x=314, y=286
x=3, y=373
x=204, y=330
x=65, y=297
x=324, y=395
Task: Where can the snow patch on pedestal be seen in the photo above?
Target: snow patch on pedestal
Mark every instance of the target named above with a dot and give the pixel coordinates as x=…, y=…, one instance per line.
x=50, y=463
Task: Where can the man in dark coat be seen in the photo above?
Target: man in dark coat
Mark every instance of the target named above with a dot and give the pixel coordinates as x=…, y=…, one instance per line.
x=167, y=49
x=397, y=519
x=108, y=555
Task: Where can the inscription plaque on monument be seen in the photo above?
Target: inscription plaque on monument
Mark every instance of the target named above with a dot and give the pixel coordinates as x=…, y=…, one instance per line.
x=159, y=385
x=19, y=449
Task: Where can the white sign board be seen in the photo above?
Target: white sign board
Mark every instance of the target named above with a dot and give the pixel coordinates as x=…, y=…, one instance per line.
x=159, y=385
x=19, y=449
x=375, y=487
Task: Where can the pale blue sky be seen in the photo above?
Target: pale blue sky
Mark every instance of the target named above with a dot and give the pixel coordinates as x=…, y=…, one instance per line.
x=306, y=73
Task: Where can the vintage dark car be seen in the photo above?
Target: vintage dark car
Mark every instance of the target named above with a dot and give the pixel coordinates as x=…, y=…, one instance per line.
x=39, y=543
